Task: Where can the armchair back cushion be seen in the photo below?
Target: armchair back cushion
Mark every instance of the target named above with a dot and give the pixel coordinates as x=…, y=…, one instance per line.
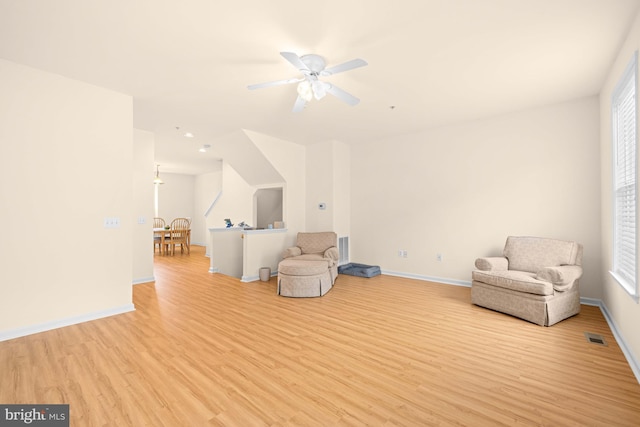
x=316, y=243
x=534, y=253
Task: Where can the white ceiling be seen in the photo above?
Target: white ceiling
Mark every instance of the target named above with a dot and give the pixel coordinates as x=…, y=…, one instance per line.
x=187, y=63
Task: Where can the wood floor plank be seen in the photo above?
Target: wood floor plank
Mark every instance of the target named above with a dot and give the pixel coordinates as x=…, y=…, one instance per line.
x=206, y=349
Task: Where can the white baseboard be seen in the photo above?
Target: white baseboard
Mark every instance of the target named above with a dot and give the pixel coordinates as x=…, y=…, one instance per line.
x=248, y=279
x=628, y=354
x=47, y=326
x=590, y=301
x=143, y=280
x=428, y=278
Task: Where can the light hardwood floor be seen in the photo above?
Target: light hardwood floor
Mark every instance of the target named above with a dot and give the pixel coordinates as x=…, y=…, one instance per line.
x=204, y=349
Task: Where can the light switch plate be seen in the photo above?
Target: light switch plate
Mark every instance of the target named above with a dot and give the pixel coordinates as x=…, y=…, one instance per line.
x=112, y=222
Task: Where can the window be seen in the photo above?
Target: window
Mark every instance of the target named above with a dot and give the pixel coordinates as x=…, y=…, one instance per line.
x=624, y=117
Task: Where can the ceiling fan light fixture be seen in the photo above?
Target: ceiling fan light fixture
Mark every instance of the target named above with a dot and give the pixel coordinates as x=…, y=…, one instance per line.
x=157, y=179
x=319, y=89
x=305, y=91
x=309, y=86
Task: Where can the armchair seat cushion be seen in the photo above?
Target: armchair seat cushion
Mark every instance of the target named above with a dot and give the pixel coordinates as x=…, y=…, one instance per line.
x=521, y=281
x=298, y=267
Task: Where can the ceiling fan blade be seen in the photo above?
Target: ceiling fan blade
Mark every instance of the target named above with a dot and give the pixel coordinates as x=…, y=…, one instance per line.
x=299, y=104
x=346, y=66
x=276, y=83
x=342, y=95
x=295, y=61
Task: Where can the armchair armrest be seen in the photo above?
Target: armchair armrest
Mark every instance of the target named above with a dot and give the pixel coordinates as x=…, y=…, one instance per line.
x=562, y=277
x=333, y=254
x=492, y=264
x=291, y=252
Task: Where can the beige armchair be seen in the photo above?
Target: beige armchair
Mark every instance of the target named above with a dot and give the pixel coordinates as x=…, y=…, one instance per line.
x=311, y=267
x=536, y=279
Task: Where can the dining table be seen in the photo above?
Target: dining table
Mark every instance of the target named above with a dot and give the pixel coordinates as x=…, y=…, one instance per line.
x=163, y=233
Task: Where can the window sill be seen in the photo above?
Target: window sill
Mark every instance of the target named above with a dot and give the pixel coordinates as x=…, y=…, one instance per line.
x=628, y=288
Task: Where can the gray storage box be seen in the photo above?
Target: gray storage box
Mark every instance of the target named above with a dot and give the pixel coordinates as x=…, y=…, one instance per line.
x=360, y=270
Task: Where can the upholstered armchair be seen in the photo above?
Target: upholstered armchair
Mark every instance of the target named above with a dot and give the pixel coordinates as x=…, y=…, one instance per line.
x=310, y=268
x=321, y=246
x=536, y=279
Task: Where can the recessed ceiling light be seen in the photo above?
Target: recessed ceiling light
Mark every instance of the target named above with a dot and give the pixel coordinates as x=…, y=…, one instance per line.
x=204, y=148
x=188, y=135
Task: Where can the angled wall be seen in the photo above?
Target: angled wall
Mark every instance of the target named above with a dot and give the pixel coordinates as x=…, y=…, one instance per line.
x=241, y=153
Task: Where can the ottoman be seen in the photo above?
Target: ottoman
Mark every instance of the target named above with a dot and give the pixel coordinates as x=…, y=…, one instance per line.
x=303, y=278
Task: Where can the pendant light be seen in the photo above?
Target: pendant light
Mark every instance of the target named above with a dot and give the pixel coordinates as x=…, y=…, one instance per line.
x=157, y=179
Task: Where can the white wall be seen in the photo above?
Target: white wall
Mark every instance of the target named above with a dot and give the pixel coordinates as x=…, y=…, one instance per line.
x=143, y=154
x=226, y=251
x=267, y=206
x=66, y=151
x=319, y=170
x=624, y=311
x=288, y=158
x=207, y=188
x=236, y=201
x=328, y=174
x=461, y=190
x=341, y=188
x=176, y=197
x=262, y=248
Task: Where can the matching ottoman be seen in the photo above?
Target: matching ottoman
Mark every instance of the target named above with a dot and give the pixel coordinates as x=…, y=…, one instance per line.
x=303, y=278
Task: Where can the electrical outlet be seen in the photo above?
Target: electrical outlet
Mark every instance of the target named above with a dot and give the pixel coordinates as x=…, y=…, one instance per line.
x=400, y=253
x=404, y=254
x=439, y=257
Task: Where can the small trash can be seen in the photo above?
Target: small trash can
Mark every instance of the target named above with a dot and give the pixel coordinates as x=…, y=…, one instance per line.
x=265, y=274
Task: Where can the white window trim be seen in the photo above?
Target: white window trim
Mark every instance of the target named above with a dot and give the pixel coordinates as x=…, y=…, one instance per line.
x=631, y=72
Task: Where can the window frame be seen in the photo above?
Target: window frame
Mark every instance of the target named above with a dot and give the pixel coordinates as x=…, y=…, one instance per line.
x=626, y=278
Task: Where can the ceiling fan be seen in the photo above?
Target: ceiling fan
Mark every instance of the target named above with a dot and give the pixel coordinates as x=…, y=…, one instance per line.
x=310, y=86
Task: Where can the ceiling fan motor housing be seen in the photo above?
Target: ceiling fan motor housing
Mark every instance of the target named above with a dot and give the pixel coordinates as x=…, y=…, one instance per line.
x=315, y=63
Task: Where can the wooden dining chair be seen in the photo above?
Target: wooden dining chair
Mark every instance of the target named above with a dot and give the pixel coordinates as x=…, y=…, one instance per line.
x=157, y=239
x=178, y=235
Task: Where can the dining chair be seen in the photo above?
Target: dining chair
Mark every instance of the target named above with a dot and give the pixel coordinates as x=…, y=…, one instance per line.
x=157, y=238
x=178, y=235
